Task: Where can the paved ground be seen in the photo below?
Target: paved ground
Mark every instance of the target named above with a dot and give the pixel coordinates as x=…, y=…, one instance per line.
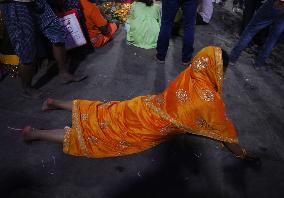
x=185, y=167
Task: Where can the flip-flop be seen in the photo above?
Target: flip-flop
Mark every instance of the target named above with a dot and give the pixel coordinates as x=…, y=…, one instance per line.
x=76, y=79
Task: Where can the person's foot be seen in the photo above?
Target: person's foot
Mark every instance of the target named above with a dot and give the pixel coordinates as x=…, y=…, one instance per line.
x=159, y=61
x=28, y=134
x=67, y=78
x=32, y=93
x=236, y=34
x=199, y=20
x=257, y=67
x=48, y=105
x=232, y=64
x=186, y=63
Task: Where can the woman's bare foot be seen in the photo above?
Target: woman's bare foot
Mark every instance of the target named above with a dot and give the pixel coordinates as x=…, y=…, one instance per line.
x=48, y=105
x=69, y=78
x=28, y=134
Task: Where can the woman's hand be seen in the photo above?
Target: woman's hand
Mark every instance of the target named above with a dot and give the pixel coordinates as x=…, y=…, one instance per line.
x=241, y=152
x=250, y=157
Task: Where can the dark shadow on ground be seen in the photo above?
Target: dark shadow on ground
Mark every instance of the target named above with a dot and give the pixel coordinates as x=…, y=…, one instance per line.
x=170, y=179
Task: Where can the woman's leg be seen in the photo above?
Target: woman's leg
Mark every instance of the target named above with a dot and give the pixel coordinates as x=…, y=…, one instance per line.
x=51, y=104
x=56, y=135
x=27, y=72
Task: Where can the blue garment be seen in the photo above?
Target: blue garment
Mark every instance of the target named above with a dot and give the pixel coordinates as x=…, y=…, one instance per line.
x=169, y=10
x=264, y=17
x=25, y=21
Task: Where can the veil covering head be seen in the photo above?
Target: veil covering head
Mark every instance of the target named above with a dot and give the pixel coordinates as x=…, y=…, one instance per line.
x=207, y=66
x=192, y=102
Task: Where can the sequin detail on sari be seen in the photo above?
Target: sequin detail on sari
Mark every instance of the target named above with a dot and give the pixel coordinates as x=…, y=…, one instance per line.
x=200, y=64
x=206, y=95
x=182, y=95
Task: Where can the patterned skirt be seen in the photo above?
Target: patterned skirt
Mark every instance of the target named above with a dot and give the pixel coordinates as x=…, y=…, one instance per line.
x=26, y=23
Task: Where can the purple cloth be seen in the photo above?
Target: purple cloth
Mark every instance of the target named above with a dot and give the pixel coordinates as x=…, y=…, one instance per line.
x=205, y=9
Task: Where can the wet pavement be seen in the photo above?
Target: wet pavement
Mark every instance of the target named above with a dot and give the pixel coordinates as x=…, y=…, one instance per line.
x=187, y=166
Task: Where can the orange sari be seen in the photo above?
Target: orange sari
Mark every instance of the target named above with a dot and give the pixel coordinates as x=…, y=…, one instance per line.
x=95, y=20
x=190, y=104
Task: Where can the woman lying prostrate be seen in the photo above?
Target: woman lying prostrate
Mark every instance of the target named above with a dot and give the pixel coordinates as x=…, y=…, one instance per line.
x=191, y=104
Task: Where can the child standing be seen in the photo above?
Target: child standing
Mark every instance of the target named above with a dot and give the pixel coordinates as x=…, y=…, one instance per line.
x=144, y=24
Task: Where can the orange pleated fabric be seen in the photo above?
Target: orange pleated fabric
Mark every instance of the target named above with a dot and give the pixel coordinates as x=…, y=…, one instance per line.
x=94, y=20
x=190, y=104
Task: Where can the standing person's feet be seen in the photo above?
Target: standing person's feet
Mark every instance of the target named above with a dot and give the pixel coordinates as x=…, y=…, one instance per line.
x=158, y=60
x=186, y=63
x=232, y=64
x=69, y=78
x=31, y=93
x=28, y=134
x=258, y=67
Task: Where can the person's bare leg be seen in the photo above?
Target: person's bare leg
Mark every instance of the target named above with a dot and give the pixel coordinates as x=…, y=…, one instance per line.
x=27, y=73
x=56, y=135
x=51, y=104
x=59, y=53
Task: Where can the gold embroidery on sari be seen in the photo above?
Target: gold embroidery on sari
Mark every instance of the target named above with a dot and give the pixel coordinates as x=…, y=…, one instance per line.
x=219, y=67
x=104, y=124
x=66, y=140
x=201, y=123
x=208, y=133
x=92, y=139
x=206, y=94
x=200, y=64
x=106, y=104
x=166, y=130
x=78, y=129
x=84, y=117
x=124, y=144
x=182, y=95
x=160, y=100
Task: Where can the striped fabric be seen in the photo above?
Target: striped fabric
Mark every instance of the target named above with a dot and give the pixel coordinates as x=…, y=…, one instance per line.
x=24, y=22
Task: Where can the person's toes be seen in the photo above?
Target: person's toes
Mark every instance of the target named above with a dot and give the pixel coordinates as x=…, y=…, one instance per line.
x=27, y=133
x=47, y=105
